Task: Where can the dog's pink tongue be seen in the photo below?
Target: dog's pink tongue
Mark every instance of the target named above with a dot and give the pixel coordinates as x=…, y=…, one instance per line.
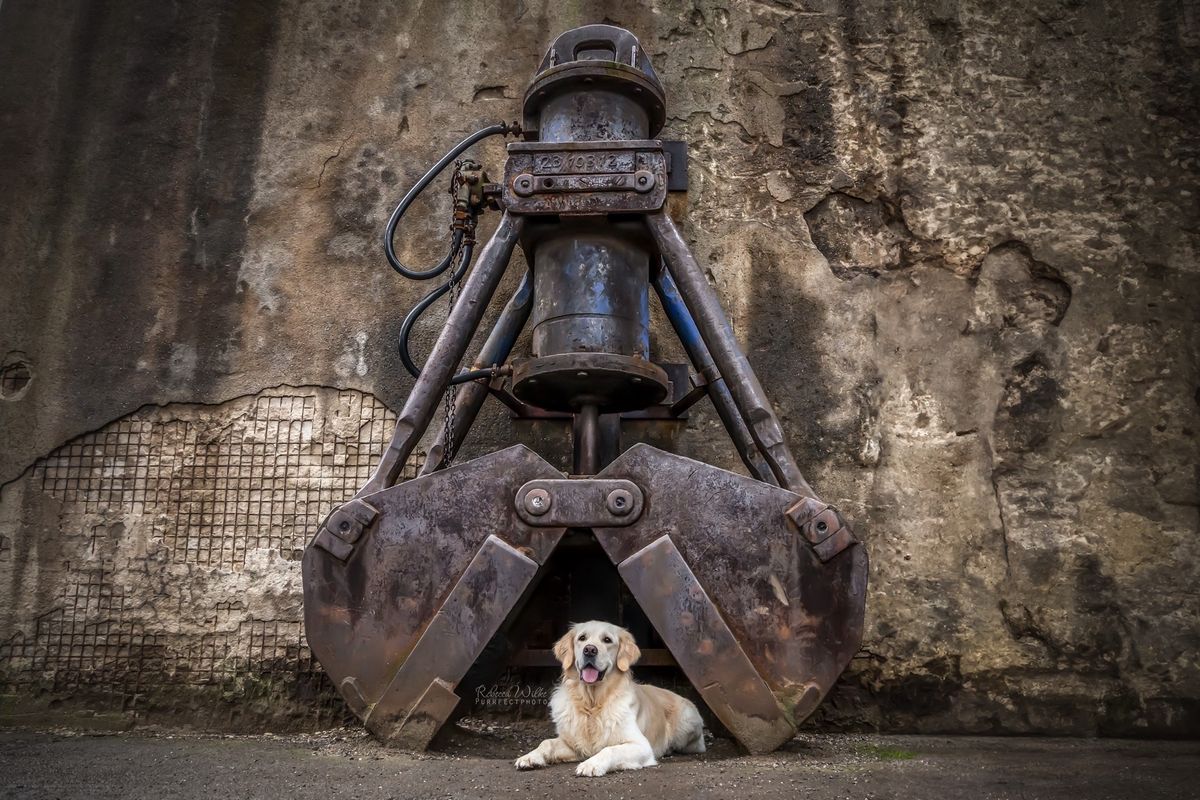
x=589, y=674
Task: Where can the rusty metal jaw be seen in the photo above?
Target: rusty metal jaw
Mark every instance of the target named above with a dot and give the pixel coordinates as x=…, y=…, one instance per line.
x=761, y=619
x=398, y=615
x=761, y=624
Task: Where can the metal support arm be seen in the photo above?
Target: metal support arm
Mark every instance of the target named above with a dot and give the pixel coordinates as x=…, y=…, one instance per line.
x=718, y=392
x=495, y=351
x=722, y=344
x=447, y=352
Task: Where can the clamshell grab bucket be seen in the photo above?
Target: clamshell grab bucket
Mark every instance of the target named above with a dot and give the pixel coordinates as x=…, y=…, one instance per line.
x=755, y=586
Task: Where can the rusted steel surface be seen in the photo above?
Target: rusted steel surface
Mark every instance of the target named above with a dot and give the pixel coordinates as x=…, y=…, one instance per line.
x=822, y=526
x=363, y=615
x=595, y=83
x=585, y=177
x=420, y=698
x=664, y=411
x=576, y=503
x=614, y=382
x=706, y=649
x=798, y=619
x=590, y=289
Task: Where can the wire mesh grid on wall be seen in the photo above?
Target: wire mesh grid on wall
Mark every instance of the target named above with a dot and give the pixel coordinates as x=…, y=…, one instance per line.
x=210, y=487
x=262, y=480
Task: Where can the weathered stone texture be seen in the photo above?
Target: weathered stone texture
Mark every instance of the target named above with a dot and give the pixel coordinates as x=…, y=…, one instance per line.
x=958, y=240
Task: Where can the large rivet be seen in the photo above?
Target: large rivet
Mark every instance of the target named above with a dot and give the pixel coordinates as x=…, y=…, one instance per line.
x=619, y=502
x=537, y=502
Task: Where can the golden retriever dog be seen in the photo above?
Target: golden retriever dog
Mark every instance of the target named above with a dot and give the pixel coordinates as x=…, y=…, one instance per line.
x=602, y=716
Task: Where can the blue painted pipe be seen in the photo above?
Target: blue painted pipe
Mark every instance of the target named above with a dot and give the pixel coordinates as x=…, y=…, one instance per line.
x=693, y=343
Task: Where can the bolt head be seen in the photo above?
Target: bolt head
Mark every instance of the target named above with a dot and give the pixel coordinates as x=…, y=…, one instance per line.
x=643, y=180
x=523, y=184
x=537, y=502
x=619, y=502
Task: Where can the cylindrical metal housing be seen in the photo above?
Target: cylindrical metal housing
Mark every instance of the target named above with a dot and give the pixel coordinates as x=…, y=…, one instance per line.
x=592, y=116
x=591, y=318
x=590, y=293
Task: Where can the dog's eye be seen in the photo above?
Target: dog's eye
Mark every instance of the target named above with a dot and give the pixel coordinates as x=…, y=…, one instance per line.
x=608, y=640
x=582, y=637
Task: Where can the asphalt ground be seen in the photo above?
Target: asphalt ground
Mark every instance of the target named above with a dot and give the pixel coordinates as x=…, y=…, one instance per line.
x=476, y=762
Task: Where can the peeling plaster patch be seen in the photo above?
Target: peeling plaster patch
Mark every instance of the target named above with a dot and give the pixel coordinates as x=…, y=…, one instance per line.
x=259, y=275
x=751, y=37
x=353, y=360
x=779, y=185
x=184, y=359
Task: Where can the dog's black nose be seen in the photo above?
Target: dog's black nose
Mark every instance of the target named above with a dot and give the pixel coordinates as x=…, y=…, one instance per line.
x=590, y=650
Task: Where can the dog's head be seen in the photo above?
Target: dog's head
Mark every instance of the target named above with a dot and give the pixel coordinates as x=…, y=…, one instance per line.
x=593, y=649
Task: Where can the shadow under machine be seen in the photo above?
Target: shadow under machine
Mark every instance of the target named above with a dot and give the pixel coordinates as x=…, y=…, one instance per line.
x=754, y=585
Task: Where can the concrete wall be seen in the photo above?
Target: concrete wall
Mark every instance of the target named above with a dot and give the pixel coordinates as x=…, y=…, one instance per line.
x=958, y=241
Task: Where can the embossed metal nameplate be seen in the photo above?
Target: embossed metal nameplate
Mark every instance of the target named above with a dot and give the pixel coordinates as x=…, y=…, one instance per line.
x=574, y=178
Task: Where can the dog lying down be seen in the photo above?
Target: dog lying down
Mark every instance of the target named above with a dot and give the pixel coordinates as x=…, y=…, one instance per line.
x=602, y=716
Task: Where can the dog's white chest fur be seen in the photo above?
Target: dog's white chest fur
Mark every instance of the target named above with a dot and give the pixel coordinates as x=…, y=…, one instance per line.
x=590, y=730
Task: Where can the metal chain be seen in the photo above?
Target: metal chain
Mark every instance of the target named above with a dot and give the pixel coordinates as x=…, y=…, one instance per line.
x=451, y=446
x=451, y=393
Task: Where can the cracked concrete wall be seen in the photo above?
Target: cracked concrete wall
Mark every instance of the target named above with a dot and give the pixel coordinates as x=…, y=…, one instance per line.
x=958, y=241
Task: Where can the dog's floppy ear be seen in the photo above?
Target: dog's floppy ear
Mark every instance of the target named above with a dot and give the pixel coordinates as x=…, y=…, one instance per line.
x=564, y=649
x=628, y=653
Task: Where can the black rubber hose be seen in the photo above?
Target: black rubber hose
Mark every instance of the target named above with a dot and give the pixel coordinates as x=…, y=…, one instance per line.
x=389, y=232
x=421, y=307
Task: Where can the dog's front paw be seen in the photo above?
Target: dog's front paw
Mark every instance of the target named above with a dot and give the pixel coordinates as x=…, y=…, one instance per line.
x=594, y=767
x=530, y=761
